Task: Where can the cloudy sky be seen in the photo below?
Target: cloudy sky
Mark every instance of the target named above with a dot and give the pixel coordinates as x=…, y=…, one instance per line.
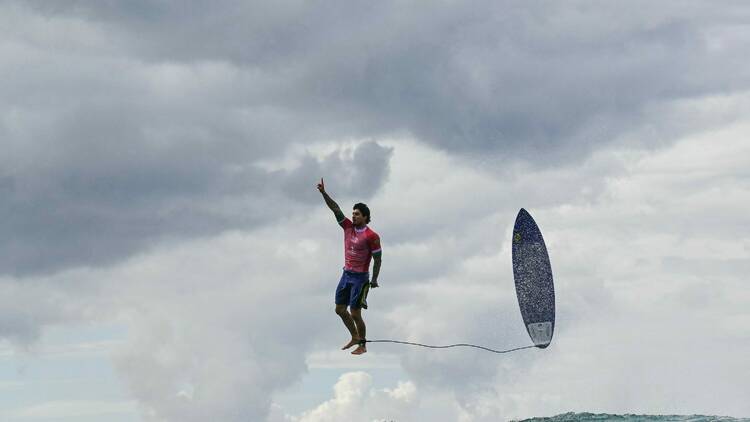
x=165, y=256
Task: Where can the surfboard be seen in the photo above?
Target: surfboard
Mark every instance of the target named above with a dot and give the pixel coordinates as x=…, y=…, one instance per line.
x=532, y=274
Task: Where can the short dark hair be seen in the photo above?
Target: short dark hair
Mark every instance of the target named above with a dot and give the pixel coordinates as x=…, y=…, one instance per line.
x=363, y=209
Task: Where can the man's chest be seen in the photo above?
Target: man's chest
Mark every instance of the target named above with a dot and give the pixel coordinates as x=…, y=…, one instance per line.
x=355, y=241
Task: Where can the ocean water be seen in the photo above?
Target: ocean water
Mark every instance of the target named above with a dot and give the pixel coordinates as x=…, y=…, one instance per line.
x=603, y=417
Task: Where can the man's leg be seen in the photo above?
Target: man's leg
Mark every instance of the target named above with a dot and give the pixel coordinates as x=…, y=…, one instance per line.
x=361, y=329
x=350, y=325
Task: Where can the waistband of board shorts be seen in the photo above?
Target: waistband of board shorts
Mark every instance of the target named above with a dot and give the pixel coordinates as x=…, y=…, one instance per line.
x=355, y=272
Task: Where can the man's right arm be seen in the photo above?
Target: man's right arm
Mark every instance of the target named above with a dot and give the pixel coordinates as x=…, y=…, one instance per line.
x=331, y=203
x=334, y=207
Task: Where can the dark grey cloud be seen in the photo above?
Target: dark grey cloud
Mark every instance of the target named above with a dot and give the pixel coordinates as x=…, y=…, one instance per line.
x=548, y=79
x=87, y=181
x=356, y=172
x=124, y=123
x=105, y=154
x=98, y=213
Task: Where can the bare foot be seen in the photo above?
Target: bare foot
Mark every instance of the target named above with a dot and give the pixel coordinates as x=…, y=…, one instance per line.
x=360, y=350
x=351, y=343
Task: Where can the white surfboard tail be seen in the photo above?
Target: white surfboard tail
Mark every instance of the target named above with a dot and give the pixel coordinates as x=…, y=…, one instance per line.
x=540, y=333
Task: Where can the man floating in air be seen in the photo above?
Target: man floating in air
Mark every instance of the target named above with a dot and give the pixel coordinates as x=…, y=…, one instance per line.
x=360, y=245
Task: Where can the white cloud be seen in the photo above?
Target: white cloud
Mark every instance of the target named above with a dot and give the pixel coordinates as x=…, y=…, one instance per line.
x=354, y=399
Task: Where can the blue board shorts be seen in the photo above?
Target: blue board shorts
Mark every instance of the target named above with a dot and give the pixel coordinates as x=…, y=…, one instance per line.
x=352, y=289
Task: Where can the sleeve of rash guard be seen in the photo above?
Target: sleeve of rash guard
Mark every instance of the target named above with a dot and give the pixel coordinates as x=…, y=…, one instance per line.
x=374, y=242
x=345, y=223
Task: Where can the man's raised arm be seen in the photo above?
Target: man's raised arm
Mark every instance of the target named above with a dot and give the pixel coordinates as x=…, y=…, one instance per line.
x=330, y=202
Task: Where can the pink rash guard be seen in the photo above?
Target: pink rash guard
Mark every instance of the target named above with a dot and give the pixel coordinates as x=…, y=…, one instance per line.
x=359, y=245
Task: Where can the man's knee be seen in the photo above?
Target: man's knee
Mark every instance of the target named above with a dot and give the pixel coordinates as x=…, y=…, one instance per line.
x=341, y=310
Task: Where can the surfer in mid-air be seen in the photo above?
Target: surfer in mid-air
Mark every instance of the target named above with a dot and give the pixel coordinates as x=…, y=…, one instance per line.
x=361, y=244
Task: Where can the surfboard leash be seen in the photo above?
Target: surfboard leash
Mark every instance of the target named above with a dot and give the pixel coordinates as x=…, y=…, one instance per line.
x=449, y=346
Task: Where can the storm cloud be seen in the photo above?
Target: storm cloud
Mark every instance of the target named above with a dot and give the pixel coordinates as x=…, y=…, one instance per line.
x=127, y=123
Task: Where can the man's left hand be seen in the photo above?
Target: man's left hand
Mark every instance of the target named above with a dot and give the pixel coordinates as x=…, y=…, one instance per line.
x=374, y=284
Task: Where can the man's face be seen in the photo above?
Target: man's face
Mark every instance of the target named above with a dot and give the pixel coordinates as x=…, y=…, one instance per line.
x=357, y=218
